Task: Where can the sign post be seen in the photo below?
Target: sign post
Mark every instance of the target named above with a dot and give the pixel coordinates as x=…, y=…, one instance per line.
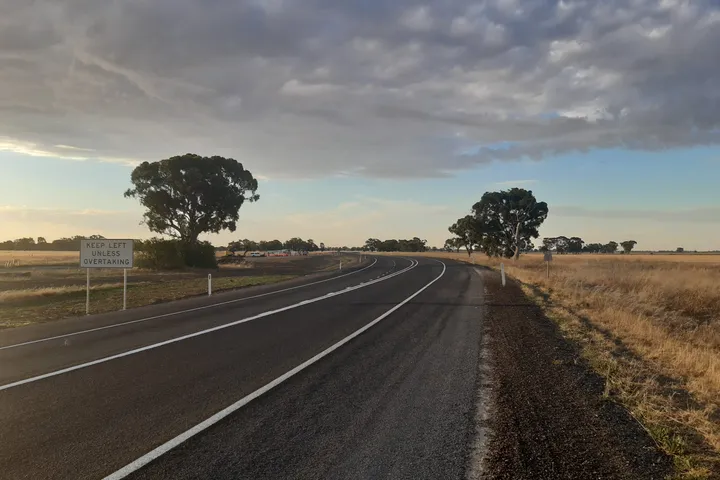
x=106, y=253
x=548, y=259
x=87, y=294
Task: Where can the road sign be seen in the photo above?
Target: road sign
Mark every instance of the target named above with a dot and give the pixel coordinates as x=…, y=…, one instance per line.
x=548, y=256
x=106, y=253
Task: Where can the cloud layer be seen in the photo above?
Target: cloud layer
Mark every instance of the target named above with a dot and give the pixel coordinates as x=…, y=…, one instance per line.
x=357, y=87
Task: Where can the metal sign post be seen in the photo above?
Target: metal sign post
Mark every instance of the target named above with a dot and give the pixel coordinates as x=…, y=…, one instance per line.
x=87, y=293
x=124, y=288
x=548, y=259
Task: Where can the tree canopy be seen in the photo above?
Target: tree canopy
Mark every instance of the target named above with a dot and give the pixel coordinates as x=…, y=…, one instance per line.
x=414, y=244
x=628, y=245
x=502, y=223
x=188, y=195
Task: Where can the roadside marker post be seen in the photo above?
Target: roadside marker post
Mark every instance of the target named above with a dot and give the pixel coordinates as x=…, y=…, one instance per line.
x=209, y=284
x=340, y=266
x=502, y=273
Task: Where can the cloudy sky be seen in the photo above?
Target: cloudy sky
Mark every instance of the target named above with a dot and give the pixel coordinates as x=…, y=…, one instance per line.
x=368, y=118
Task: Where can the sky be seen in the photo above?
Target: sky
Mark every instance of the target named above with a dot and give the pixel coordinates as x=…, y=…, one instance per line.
x=368, y=118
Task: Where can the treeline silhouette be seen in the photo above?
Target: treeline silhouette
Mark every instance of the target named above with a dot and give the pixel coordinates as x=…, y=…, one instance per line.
x=65, y=244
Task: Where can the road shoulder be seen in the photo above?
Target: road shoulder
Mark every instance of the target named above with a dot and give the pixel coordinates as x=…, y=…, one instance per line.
x=550, y=418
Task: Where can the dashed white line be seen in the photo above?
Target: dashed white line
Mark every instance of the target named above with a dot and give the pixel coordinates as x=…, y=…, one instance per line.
x=166, y=447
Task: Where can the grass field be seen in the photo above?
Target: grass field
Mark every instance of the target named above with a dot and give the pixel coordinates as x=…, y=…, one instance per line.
x=24, y=259
x=30, y=294
x=650, y=324
x=23, y=307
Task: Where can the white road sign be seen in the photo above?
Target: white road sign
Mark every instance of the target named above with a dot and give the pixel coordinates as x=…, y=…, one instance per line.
x=106, y=253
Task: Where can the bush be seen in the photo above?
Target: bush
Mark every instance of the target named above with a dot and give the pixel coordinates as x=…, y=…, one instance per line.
x=160, y=254
x=201, y=255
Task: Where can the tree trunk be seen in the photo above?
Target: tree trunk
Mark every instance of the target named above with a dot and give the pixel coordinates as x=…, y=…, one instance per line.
x=517, y=241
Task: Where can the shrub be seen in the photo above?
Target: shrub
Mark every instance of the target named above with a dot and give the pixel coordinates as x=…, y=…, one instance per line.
x=159, y=254
x=201, y=255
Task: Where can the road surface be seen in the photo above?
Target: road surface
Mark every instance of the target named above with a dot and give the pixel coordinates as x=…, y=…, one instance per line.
x=372, y=374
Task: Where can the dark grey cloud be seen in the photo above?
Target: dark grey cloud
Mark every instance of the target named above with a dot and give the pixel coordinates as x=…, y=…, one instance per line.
x=359, y=87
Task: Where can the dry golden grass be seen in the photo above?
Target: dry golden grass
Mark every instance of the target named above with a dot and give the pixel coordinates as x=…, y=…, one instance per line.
x=25, y=307
x=30, y=294
x=651, y=325
x=24, y=259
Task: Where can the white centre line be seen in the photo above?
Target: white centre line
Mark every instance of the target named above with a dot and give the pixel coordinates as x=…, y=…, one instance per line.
x=167, y=446
x=115, y=325
x=8, y=386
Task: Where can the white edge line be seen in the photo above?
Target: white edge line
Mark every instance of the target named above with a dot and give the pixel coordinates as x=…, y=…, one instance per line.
x=204, y=307
x=167, y=446
x=195, y=334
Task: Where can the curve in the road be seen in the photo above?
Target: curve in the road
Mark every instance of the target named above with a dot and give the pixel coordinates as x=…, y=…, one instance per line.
x=204, y=307
x=206, y=331
x=166, y=447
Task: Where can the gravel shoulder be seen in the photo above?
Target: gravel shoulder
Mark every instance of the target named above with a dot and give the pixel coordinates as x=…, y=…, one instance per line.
x=549, y=416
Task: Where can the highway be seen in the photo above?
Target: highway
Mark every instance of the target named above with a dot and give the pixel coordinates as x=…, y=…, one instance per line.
x=372, y=373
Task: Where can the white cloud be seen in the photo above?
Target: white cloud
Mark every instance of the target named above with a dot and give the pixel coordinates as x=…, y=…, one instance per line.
x=317, y=88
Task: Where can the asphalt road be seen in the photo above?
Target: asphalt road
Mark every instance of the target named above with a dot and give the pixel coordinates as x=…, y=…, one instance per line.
x=372, y=374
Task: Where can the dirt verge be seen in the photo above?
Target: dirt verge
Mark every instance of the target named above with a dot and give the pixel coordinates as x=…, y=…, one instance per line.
x=551, y=417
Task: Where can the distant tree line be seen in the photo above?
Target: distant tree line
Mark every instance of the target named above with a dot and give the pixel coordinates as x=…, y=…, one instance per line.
x=297, y=244
x=65, y=244
x=414, y=244
x=575, y=245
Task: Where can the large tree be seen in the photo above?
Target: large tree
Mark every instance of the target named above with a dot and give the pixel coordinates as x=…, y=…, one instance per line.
x=243, y=246
x=628, y=245
x=453, y=244
x=610, y=247
x=373, y=244
x=188, y=195
x=466, y=229
x=505, y=221
x=297, y=244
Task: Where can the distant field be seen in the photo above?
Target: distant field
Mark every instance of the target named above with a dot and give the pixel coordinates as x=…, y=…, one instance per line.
x=30, y=258
x=650, y=324
x=642, y=257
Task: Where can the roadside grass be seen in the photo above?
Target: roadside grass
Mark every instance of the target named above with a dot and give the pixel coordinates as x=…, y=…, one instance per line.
x=21, y=258
x=650, y=325
x=44, y=305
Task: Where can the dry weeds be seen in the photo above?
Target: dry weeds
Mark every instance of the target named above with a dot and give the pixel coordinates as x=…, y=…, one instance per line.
x=32, y=258
x=651, y=325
